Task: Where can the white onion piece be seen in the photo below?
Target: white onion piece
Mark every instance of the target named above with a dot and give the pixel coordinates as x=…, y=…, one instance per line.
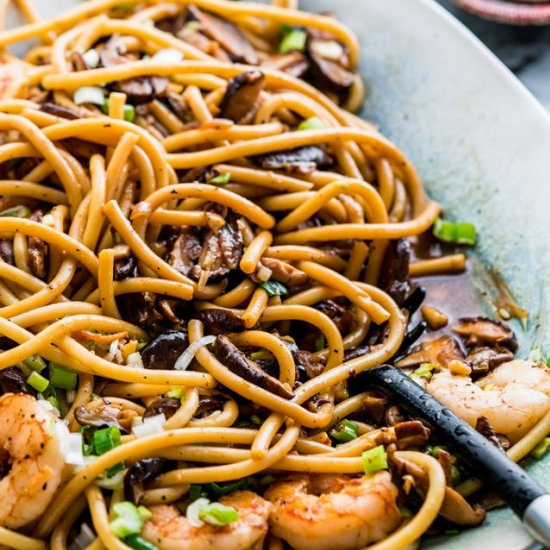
x=184, y=360
x=193, y=511
x=113, y=482
x=84, y=538
x=329, y=49
x=89, y=94
x=47, y=406
x=70, y=444
x=150, y=426
x=134, y=360
x=168, y=56
x=91, y=58
x=114, y=352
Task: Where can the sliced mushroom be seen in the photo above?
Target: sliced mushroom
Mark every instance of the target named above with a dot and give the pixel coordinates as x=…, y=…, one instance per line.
x=455, y=507
x=302, y=160
x=357, y=351
x=163, y=351
x=395, y=271
x=217, y=321
x=483, y=359
x=140, y=89
x=6, y=251
x=140, y=309
x=374, y=406
x=329, y=62
x=241, y=98
x=229, y=36
x=185, y=251
x=339, y=315
x=13, y=381
x=411, y=433
x=483, y=426
x=393, y=416
x=102, y=414
x=138, y=474
x=440, y=351
x=294, y=64
x=125, y=268
x=312, y=365
x=285, y=273
x=168, y=406
x=480, y=330
x=60, y=111
x=37, y=254
x=236, y=361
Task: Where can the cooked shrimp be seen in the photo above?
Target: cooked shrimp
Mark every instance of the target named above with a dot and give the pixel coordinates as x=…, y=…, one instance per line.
x=333, y=512
x=514, y=397
x=32, y=453
x=169, y=530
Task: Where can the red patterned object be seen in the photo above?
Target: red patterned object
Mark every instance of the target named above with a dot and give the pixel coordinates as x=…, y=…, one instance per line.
x=513, y=13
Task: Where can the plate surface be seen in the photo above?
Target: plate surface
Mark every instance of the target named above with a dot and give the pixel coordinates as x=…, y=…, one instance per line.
x=482, y=145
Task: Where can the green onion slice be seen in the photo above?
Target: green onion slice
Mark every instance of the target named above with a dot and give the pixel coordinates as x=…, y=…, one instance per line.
x=375, y=459
x=293, y=41
x=274, y=288
x=38, y=382
x=313, y=123
x=457, y=233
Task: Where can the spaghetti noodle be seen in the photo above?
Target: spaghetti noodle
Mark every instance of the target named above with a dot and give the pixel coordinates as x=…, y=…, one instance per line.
x=201, y=249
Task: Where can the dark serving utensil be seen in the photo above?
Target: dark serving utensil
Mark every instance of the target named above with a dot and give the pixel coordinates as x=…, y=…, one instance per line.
x=522, y=493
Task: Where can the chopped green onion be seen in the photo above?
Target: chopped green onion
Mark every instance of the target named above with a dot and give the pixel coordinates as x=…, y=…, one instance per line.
x=113, y=481
x=313, y=123
x=220, y=179
x=53, y=401
x=434, y=450
x=425, y=370
x=113, y=470
x=458, y=233
x=256, y=419
x=261, y=355
x=375, y=459
x=129, y=111
x=192, y=26
x=195, y=492
x=293, y=41
x=129, y=519
x=35, y=362
x=139, y=543
x=122, y=8
x=541, y=449
x=37, y=381
x=219, y=490
x=488, y=387
x=62, y=378
x=274, y=288
x=405, y=512
x=285, y=28
x=268, y=479
x=319, y=343
x=345, y=431
x=218, y=514
x=16, y=212
x=105, y=440
x=174, y=393
x=456, y=476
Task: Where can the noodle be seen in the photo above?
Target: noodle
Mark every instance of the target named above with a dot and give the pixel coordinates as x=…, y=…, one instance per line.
x=201, y=250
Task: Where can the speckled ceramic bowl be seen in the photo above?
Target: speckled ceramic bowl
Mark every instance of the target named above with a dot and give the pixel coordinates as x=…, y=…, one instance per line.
x=526, y=12
x=482, y=145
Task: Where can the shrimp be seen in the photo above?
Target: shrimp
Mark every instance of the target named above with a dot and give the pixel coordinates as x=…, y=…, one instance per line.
x=333, y=512
x=513, y=397
x=169, y=530
x=32, y=453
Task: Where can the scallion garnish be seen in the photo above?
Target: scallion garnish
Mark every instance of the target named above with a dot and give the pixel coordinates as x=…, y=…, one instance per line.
x=129, y=111
x=294, y=40
x=62, y=378
x=345, y=431
x=313, y=123
x=319, y=343
x=129, y=519
x=105, y=440
x=139, y=543
x=425, y=370
x=541, y=449
x=16, y=212
x=220, y=179
x=375, y=459
x=274, y=288
x=35, y=362
x=38, y=382
x=457, y=233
